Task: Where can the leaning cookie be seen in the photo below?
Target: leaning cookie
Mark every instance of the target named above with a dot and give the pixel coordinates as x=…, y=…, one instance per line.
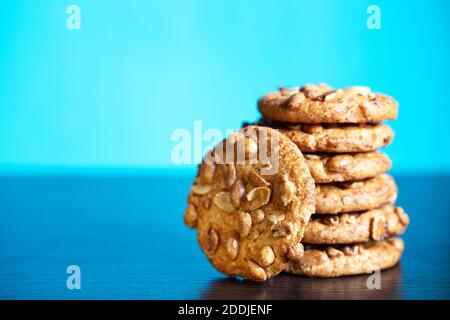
x=321, y=104
x=336, y=261
x=375, y=224
x=355, y=196
x=251, y=215
x=335, y=138
x=326, y=168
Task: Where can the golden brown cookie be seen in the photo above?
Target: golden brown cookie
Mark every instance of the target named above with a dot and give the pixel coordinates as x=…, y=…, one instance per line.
x=336, y=261
x=321, y=104
x=335, y=138
x=355, y=196
x=326, y=168
x=251, y=214
x=375, y=224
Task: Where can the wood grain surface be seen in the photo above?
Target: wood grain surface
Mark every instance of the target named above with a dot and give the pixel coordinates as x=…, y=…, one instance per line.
x=127, y=236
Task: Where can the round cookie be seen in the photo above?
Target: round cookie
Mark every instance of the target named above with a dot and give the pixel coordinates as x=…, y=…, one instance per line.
x=251, y=215
x=336, y=261
x=335, y=138
x=375, y=224
x=355, y=196
x=326, y=168
x=321, y=104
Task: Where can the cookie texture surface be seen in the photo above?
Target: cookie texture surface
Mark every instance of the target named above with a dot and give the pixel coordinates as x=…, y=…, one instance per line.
x=335, y=261
x=251, y=215
x=326, y=168
x=355, y=196
x=322, y=104
x=335, y=138
x=376, y=224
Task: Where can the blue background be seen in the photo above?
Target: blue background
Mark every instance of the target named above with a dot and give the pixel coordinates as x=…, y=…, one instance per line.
x=110, y=95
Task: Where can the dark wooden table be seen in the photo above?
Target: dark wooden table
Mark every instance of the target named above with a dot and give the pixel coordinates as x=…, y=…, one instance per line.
x=127, y=236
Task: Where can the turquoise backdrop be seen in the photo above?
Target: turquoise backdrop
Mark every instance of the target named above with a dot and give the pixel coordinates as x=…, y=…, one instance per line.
x=110, y=94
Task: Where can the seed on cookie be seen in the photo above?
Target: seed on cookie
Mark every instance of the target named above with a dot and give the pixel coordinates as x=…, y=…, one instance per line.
x=330, y=220
x=350, y=250
x=275, y=217
x=223, y=201
x=296, y=99
x=246, y=146
x=284, y=192
x=212, y=241
x=256, y=271
x=250, y=147
x=296, y=252
x=339, y=162
x=237, y=192
x=257, y=180
x=404, y=219
x=266, y=256
x=285, y=91
x=283, y=229
x=232, y=247
x=257, y=216
x=329, y=95
x=193, y=199
x=245, y=223
x=258, y=197
x=190, y=216
x=312, y=128
x=315, y=91
x=229, y=171
x=377, y=228
x=206, y=172
x=333, y=252
x=201, y=189
x=396, y=242
x=314, y=257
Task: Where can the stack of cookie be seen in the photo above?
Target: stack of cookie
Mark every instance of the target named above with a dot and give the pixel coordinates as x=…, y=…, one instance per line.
x=253, y=199
x=339, y=132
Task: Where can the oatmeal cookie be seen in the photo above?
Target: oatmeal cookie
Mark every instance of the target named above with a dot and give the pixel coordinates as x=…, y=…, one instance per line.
x=251, y=215
x=355, y=196
x=376, y=224
x=336, y=261
x=334, y=138
x=322, y=104
x=326, y=168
